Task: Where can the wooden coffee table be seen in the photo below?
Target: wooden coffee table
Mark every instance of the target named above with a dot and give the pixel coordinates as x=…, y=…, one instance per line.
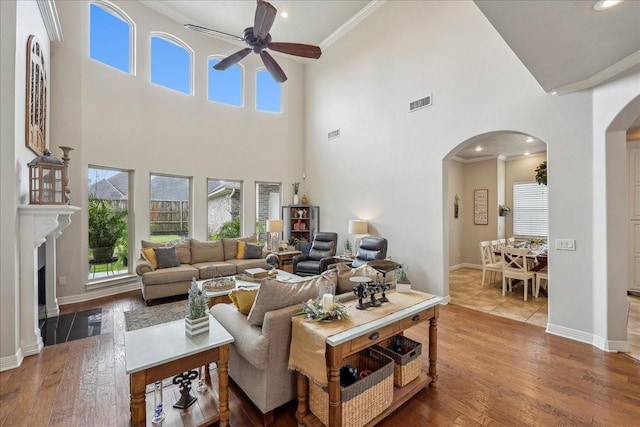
x=163, y=351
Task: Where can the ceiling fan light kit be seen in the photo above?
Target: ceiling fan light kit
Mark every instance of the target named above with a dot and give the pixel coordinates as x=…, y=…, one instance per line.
x=259, y=39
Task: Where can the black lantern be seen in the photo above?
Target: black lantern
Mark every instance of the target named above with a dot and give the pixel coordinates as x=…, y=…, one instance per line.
x=46, y=180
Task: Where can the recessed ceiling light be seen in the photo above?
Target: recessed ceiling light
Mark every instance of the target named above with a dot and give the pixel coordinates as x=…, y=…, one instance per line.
x=478, y=148
x=530, y=139
x=284, y=14
x=526, y=153
x=606, y=4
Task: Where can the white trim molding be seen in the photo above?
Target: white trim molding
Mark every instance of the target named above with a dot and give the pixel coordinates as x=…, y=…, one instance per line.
x=50, y=18
x=11, y=362
x=588, y=338
x=104, y=292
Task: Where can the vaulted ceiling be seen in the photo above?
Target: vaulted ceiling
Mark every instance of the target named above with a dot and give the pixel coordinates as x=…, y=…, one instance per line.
x=566, y=44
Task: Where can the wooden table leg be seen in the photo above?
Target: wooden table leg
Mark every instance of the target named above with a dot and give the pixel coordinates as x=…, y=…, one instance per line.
x=223, y=385
x=335, y=362
x=303, y=396
x=433, y=346
x=137, y=403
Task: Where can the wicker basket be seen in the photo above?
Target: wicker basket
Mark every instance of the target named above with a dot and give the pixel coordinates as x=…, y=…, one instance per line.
x=407, y=366
x=363, y=400
x=219, y=284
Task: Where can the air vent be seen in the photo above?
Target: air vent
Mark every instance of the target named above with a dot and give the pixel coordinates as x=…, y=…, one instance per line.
x=420, y=103
x=333, y=134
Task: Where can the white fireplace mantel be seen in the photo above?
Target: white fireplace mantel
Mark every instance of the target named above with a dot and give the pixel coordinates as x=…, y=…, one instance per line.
x=38, y=224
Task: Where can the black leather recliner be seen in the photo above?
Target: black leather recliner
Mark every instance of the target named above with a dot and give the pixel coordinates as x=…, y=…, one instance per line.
x=370, y=248
x=320, y=255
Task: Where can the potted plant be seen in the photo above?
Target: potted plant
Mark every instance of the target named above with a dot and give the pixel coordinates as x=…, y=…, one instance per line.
x=292, y=242
x=403, y=284
x=197, y=321
x=123, y=250
x=107, y=225
x=348, y=249
x=503, y=210
x=541, y=173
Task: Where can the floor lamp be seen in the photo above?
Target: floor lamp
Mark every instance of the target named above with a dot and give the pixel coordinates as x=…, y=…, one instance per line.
x=274, y=228
x=358, y=228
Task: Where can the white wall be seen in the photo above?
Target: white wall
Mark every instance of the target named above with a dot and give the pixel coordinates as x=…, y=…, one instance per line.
x=113, y=119
x=19, y=20
x=450, y=50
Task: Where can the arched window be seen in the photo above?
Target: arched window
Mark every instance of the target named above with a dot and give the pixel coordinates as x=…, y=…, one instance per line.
x=267, y=92
x=171, y=63
x=225, y=86
x=111, y=36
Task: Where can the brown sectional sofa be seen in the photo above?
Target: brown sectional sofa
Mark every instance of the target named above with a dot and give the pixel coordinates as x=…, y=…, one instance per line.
x=199, y=260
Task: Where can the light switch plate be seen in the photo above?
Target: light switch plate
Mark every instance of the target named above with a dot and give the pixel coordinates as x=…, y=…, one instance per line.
x=566, y=244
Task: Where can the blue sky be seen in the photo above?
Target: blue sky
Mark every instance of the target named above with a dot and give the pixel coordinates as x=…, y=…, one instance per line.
x=170, y=64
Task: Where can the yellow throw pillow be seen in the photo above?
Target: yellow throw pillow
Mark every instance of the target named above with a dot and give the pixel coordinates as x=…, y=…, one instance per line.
x=241, y=247
x=243, y=299
x=150, y=255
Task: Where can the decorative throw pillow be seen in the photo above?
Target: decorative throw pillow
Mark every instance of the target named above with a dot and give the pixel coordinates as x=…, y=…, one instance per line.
x=251, y=251
x=241, y=247
x=274, y=294
x=183, y=248
x=167, y=257
x=243, y=299
x=150, y=256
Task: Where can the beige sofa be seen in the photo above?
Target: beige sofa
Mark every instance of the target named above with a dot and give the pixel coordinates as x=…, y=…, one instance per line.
x=199, y=260
x=259, y=356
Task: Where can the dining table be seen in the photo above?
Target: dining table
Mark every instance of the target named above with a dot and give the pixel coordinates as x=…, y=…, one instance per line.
x=539, y=260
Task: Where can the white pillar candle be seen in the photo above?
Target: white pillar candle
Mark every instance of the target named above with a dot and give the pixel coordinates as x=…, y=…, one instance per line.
x=327, y=303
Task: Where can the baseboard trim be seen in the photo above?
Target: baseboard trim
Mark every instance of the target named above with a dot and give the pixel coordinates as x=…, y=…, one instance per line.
x=104, y=292
x=11, y=362
x=611, y=346
x=446, y=300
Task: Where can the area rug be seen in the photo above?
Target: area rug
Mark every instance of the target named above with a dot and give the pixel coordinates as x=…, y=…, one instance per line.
x=149, y=316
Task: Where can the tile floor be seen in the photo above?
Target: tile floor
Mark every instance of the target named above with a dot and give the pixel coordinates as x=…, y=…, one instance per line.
x=71, y=326
x=466, y=289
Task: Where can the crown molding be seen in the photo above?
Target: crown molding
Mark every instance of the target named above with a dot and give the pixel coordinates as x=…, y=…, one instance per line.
x=351, y=23
x=596, y=79
x=50, y=18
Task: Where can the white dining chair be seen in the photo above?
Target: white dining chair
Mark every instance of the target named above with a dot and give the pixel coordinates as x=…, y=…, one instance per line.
x=540, y=276
x=495, y=250
x=511, y=241
x=488, y=264
x=503, y=242
x=516, y=266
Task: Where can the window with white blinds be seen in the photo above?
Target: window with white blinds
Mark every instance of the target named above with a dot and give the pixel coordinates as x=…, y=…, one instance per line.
x=530, y=209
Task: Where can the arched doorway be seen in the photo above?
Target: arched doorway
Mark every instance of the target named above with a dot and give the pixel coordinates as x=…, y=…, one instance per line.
x=496, y=162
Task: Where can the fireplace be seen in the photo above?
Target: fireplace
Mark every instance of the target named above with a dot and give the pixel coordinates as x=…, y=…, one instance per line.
x=40, y=225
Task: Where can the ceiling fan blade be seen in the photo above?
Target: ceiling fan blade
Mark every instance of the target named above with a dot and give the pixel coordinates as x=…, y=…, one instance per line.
x=265, y=15
x=210, y=32
x=298, y=49
x=232, y=59
x=272, y=67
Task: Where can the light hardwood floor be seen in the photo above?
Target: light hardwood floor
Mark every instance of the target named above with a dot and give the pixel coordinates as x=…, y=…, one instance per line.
x=465, y=288
x=492, y=370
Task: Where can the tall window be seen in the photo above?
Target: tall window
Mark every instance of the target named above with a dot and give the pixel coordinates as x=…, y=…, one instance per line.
x=224, y=208
x=267, y=206
x=108, y=224
x=169, y=208
x=225, y=86
x=171, y=63
x=530, y=209
x=111, y=36
x=267, y=93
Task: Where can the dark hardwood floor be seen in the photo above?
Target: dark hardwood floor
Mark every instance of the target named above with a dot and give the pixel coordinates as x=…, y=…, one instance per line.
x=492, y=370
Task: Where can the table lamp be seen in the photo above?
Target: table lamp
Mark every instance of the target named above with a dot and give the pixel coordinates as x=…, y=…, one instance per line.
x=274, y=228
x=359, y=228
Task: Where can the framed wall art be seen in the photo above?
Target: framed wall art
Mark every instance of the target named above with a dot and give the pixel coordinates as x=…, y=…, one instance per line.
x=36, y=98
x=480, y=207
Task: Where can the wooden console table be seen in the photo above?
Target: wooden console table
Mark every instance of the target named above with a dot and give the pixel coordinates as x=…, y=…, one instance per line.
x=162, y=351
x=360, y=337
x=285, y=260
